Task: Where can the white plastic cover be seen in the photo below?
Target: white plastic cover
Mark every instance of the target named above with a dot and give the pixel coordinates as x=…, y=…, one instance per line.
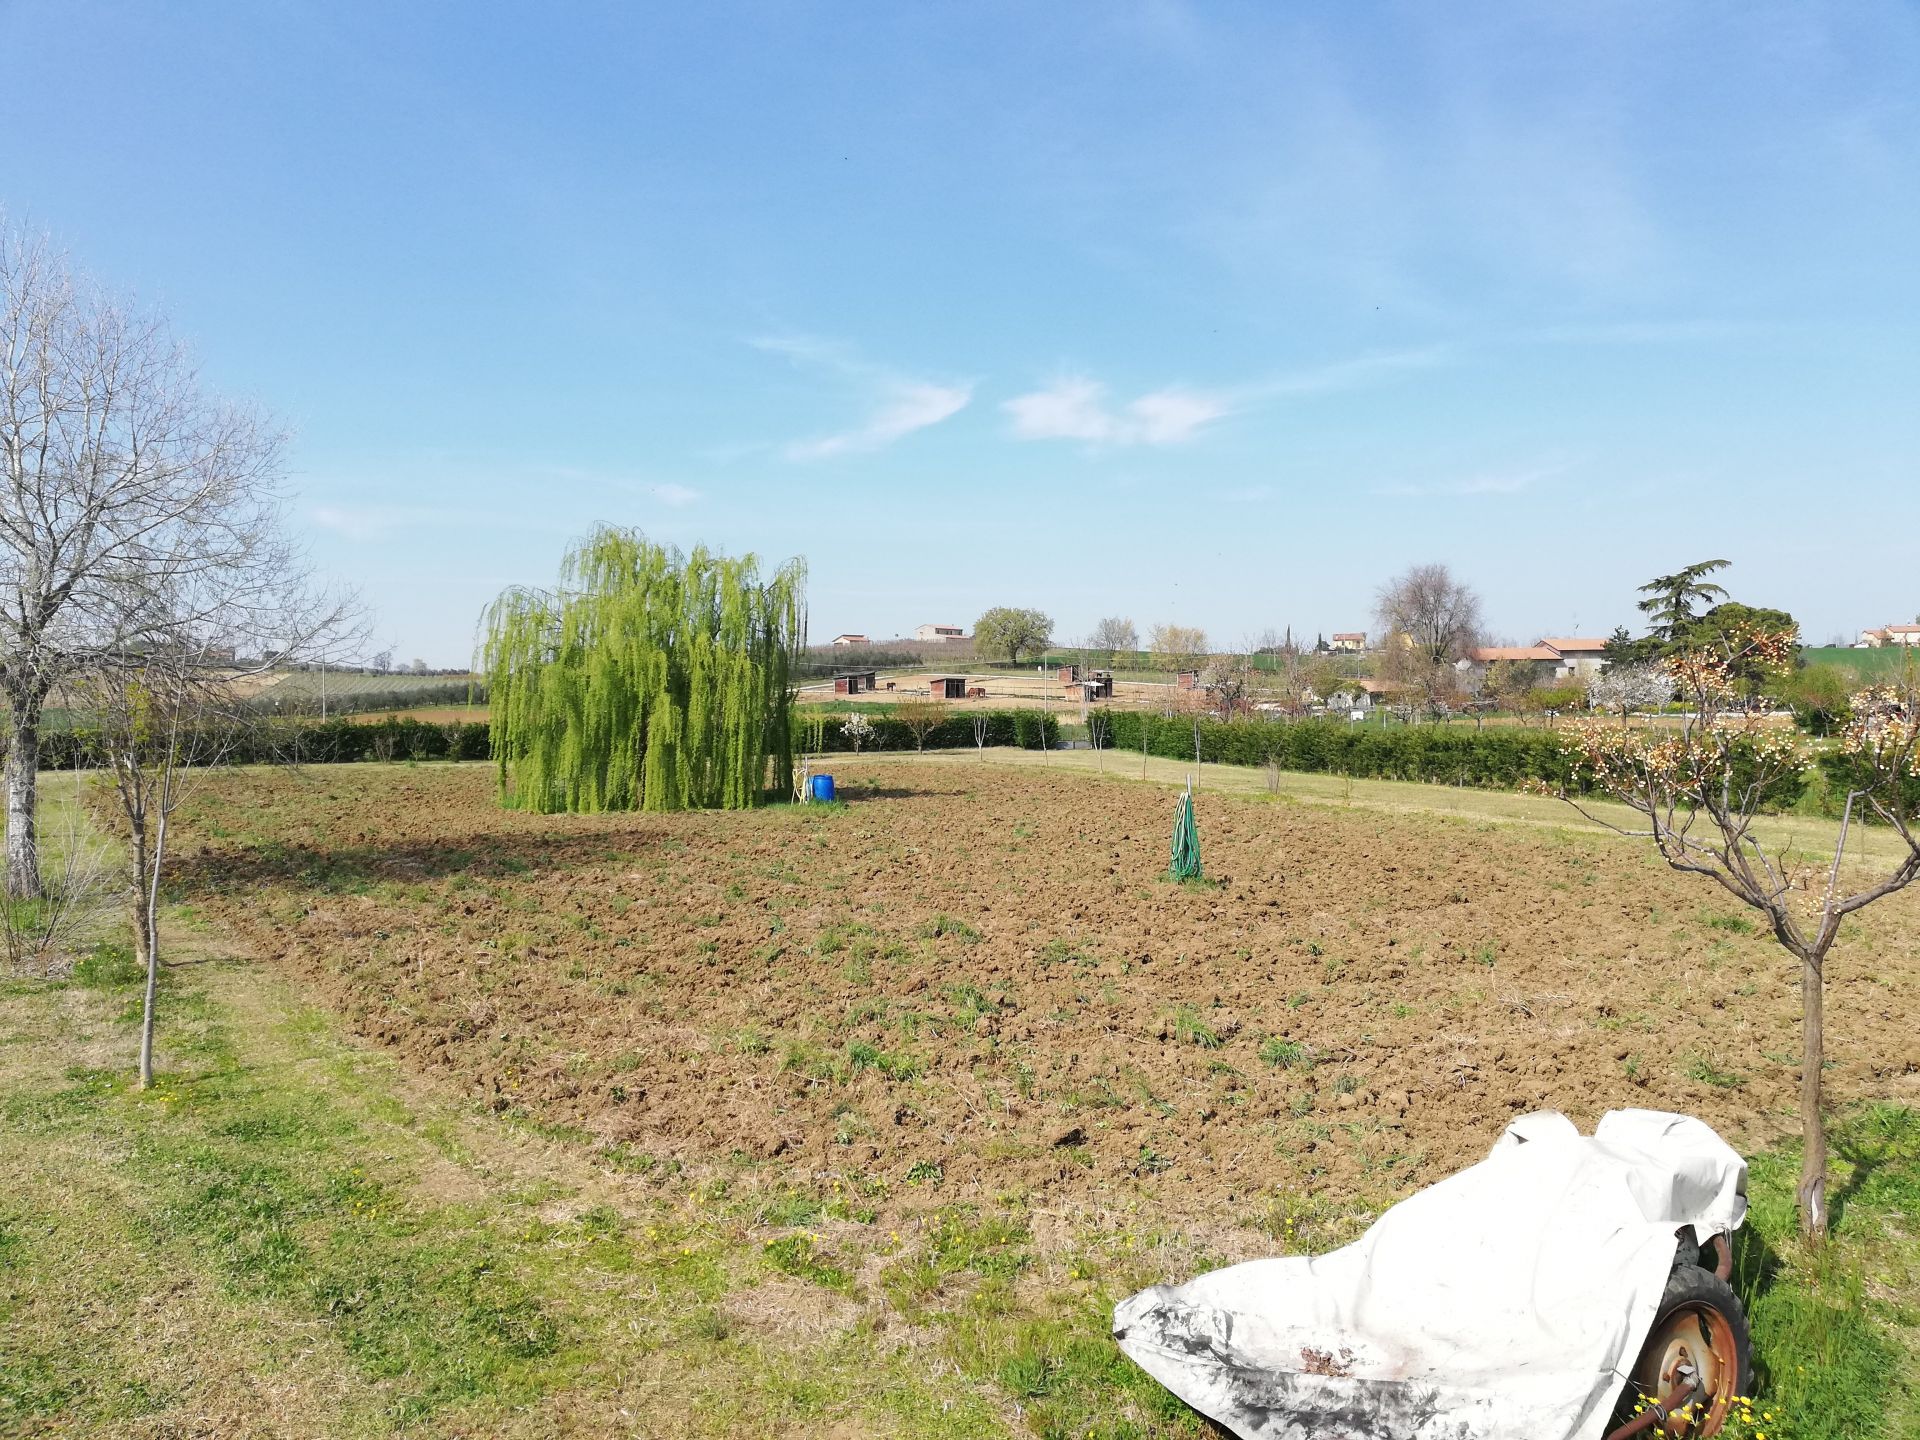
x=1507, y=1302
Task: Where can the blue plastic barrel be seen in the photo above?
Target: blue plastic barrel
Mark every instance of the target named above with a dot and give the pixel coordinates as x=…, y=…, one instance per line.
x=823, y=787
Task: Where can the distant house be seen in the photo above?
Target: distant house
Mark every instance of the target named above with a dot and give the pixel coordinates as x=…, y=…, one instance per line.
x=1477, y=661
x=1562, y=657
x=939, y=634
x=851, y=640
x=1581, y=657
x=1889, y=635
x=1350, y=642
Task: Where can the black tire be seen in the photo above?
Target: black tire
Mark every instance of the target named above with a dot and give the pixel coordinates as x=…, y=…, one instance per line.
x=1690, y=1287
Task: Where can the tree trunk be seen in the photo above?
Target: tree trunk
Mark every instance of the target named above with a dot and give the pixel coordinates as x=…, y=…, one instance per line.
x=143, y=947
x=1812, y=1194
x=22, y=780
x=150, y=923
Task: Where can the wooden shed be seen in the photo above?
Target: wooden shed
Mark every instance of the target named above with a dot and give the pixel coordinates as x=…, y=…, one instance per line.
x=855, y=682
x=1188, y=680
x=1069, y=674
x=948, y=687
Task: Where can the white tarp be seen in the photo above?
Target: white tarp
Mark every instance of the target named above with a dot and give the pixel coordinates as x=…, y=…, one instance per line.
x=1506, y=1302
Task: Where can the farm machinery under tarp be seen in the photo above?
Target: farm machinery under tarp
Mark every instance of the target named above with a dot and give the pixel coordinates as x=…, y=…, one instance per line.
x=1542, y=1294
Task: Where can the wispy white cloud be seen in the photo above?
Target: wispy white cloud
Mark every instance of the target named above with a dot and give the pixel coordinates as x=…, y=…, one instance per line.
x=1493, y=482
x=1076, y=408
x=908, y=406
x=677, y=496
x=898, y=404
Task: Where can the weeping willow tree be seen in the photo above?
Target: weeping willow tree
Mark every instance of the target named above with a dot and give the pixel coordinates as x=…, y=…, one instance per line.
x=648, y=680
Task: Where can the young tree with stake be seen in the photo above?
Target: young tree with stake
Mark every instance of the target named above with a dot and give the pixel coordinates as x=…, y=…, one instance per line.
x=1701, y=789
x=152, y=719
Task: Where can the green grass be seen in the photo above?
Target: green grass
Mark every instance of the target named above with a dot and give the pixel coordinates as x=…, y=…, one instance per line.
x=1286, y=1054
x=942, y=925
x=1867, y=665
x=1836, y=1331
x=1189, y=1029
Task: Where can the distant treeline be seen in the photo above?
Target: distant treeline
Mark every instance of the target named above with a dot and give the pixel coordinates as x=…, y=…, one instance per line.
x=303, y=694
x=825, y=661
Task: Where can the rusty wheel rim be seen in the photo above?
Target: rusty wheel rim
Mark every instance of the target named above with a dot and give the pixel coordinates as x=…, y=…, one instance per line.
x=1691, y=1353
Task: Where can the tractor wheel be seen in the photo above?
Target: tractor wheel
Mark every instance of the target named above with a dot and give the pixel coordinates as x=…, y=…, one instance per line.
x=1698, y=1346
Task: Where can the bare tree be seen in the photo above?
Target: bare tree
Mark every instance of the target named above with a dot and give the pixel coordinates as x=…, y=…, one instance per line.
x=1099, y=733
x=921, y=717
x=1227, y=681
x=982, y=723
x=1700, y=790
x=1427, y=611
x=1433, y=685
x=1114, y=634
x=128, y=497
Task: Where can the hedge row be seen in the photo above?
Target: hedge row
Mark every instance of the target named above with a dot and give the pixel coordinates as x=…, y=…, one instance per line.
x=405, y=738
x=1438, y=754
x=326, y=742
x=1445, y=754
x=1024, y=728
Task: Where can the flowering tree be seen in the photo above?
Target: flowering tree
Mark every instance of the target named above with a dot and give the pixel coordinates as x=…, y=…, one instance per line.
x=1626, y=688
x=857, y=729
x=1700, y=789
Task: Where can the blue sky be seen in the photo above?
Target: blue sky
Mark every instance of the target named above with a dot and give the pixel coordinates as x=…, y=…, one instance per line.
x=1217, y=314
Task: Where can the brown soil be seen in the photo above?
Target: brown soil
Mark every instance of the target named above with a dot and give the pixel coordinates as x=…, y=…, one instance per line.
x=980, y=981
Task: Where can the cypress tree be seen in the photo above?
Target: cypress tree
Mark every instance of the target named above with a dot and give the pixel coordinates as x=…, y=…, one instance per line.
x=649, y=680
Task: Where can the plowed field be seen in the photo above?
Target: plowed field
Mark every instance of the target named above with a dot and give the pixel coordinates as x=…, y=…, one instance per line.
x=978, y=980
